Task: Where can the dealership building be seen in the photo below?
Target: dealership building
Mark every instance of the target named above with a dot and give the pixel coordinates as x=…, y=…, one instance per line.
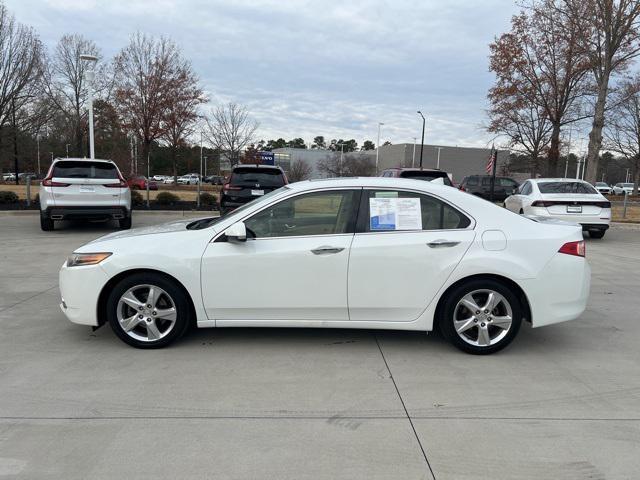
x=457, y=161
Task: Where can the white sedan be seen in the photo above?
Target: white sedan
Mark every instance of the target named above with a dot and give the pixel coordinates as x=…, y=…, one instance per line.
x=566, y=199
x=375, y=253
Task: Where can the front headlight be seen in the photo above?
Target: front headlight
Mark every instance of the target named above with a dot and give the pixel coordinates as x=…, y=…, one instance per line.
x=81, y=259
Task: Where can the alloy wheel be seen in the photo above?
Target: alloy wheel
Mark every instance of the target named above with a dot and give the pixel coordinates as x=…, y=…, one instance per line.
x=146, y=313
x=482, y=317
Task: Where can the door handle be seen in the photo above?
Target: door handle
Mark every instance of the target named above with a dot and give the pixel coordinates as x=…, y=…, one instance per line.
x=325, y=250
x=440, y=243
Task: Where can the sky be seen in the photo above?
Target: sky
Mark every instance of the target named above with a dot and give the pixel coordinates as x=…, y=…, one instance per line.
x=305, y=68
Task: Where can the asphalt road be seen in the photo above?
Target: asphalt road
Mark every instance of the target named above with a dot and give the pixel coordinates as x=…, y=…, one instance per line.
x=563, y=402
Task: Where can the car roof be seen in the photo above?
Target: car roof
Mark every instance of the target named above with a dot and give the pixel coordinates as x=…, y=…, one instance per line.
x=561, y=180
x=258, y=166
x=375, y=182
x=71, y=159
x=415, y=169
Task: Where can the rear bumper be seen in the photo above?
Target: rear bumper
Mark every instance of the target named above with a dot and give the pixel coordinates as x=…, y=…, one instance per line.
x=560, y=292
x=595, y=226
x=89, y=213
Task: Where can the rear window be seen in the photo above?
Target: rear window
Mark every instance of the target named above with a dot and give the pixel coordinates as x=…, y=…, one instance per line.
x=85, y=169
x=565, y=187
x=250, y=177
x=428, y=176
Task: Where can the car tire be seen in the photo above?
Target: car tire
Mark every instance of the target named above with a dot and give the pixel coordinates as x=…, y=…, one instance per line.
x=125, y=223
x=46, y=224
x=484, y=333
x=597, y=233
x=171, y=301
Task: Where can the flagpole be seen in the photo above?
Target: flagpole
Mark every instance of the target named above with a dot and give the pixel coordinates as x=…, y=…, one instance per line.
x=494, y=153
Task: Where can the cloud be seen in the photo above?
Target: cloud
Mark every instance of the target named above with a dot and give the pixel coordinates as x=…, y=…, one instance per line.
x=309, y=68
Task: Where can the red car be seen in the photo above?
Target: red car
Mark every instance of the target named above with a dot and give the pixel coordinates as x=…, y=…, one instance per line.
x=140, y=183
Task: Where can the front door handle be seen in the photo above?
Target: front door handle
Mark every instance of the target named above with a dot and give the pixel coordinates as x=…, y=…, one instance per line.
x=326, y=250
x=440, y=243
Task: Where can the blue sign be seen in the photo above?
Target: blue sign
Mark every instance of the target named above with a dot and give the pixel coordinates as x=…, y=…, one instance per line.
x=267, y=158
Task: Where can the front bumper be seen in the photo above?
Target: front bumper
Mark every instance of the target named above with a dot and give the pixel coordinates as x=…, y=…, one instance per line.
x=80, y=288
x=86, y=213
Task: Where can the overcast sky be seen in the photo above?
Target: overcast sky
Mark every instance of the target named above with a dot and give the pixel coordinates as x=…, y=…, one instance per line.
x=307, y=68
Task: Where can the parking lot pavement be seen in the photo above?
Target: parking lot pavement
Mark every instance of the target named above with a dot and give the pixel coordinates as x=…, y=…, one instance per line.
x=561, y=402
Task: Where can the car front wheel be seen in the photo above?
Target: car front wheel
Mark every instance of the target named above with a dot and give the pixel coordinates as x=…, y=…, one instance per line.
x=148, y=310
x=480, y=316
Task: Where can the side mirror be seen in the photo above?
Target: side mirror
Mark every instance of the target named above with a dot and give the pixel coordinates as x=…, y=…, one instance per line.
x=236, y=233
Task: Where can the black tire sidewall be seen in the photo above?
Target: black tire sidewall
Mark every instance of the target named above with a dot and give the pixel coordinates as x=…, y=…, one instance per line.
x=46, y=224
x=445, y=321
x=179, y=296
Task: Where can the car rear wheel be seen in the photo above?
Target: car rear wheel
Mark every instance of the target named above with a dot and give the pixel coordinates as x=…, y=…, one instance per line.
x=46, y=224
x=148, y=310
x=124, y=223
x=597, y=233
x=480, y=316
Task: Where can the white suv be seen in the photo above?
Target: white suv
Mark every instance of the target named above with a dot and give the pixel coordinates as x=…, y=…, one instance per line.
x=77, y=188
x=189, y=179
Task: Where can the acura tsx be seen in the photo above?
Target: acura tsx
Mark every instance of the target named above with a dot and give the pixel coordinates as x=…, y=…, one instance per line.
x=374, y=253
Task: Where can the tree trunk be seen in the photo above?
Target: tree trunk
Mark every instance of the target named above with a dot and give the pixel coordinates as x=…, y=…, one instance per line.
x=554, y=152
x=595, y=136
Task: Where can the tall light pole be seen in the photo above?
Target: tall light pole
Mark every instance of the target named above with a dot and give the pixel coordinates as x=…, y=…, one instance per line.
x=38, y=143
x=422, y=143
x=90, y=75
x=413, y=160
x=438, y=161
x=67, y=146
x=378, y=146
x=341, y=155
x=200, y=177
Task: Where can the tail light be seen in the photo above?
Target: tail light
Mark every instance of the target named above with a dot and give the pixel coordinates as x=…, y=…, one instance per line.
x=577, y=249
x=121, y=184
x=48, y=182
x=541, y=203
x=226, y=187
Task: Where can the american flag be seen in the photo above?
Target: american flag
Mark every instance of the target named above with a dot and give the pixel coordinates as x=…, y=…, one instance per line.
x=491, y=161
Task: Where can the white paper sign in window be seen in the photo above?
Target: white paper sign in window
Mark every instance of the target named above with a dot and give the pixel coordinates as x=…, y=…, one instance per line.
x=395, y=214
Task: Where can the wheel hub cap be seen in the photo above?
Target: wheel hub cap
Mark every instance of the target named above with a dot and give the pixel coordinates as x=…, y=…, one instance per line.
x=482, y=317
x=146, y=313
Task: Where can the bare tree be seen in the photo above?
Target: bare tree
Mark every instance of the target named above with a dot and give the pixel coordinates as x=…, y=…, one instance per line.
x=65, y=87
x=20, y=69
x=149, y=74
x=182, y=113
x=610, y=36
x=622, y=134
x=347, y=166
x=230, y=130
x=299, y=170
x=540, y=62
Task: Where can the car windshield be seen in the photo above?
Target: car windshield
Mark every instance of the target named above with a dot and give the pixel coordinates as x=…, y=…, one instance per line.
x=85, y=169
x=601, y=184
x=427, y=176
x=565, y=187
x=250, y=177
x=627, y=185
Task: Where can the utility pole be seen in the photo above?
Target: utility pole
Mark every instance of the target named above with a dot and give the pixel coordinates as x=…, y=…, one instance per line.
x=15, y=138
x=422, y=144
x=67, y=145
x=200, y=177
x=90, y=74
x=38, y=143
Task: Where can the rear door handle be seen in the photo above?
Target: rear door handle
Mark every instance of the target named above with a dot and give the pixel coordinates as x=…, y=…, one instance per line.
x=440, y=243
x=326, y=250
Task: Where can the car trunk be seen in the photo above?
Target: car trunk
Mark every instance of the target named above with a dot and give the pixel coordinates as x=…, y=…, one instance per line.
x=568, y=204
x=76, y=183
x=250, y=183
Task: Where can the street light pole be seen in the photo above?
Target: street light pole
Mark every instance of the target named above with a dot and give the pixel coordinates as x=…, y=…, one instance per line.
x=422, y=143
x=90, y=75
x=38, y=142
x=67, y=145
x=378, y=146
x=200, y=178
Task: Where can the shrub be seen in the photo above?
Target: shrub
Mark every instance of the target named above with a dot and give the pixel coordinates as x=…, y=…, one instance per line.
x=136, y=198
x=8, y=197
x=166, y=198
x=208, y=200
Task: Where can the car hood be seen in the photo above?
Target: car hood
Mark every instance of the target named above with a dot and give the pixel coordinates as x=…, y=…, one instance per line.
x=169, y=227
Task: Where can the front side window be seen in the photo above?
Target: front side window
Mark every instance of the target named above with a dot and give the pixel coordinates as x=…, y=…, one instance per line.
x=393, y=210
x=329, y=212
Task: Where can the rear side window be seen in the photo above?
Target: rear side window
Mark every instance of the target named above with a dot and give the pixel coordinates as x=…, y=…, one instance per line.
x=428, y=176
x=525, y=189
x=85, y=169
x=393, y=210
x=565, y=187
x=472, y=181
x=251, y=177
